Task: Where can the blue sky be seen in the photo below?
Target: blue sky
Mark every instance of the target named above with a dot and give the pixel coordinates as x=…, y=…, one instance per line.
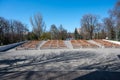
x=65, y=12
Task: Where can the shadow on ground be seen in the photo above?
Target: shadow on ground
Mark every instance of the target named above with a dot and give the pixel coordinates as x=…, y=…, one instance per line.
x=106, y=70
x=60, y=75
x=100, y=75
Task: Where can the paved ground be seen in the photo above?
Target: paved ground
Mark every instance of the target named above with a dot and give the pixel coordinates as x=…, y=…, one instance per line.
x=78, y=64
x=68, y=44
x=41, y=44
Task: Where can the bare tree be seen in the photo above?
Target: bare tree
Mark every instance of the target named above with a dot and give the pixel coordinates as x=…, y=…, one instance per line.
x=110, y=27
x=4, y=30
x=38, y=25
x=11, y=31
x=19, y=30
x=62, y=33
x=54, y=32
x=88, y=24
x=115, y=13
x=99, y=32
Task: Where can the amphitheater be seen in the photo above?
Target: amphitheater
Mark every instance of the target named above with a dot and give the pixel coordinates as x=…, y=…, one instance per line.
x=72, y=44
x=62, y=60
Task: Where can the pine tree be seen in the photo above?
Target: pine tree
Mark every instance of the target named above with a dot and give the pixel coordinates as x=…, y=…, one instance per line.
x=75, y=33
x=119, y=35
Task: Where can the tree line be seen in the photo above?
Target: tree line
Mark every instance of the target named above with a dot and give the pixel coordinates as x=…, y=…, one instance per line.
x=12, y=31
x=39, y=30
x=54, y=33
x=109, y=27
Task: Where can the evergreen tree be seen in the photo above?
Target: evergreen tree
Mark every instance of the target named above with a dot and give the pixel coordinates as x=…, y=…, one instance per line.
x=119, y=35
x=76, y=35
